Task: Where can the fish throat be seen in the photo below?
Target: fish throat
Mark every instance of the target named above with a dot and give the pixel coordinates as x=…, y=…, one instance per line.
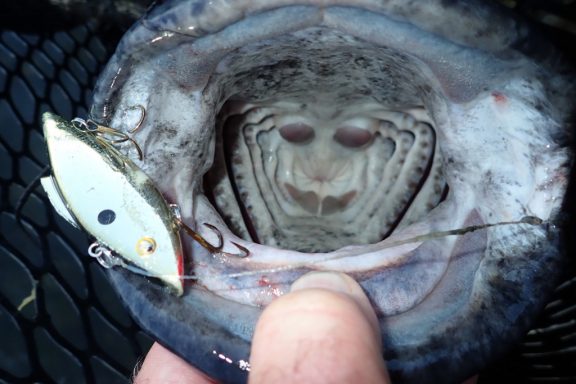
x=323, y=141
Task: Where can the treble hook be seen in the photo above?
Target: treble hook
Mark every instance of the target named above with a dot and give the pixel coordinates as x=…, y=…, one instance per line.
x=102, y=131
x=214, y=249
x=103, y=255
x=244, y=250
x=141, y=120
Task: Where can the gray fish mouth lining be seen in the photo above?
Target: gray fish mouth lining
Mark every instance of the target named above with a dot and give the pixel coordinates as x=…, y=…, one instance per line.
x=460, y=109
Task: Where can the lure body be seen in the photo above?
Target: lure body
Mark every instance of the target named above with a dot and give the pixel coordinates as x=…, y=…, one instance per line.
x=96, y=188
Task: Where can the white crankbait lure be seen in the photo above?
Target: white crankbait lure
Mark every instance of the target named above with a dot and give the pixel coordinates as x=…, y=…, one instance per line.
x=96, y=188
x=114, y=201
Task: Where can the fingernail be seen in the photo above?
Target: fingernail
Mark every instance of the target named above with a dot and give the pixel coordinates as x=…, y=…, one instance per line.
x=332, y=281
x=341, y=283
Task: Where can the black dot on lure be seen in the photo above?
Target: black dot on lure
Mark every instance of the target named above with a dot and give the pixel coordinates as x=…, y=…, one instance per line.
x=106, y=217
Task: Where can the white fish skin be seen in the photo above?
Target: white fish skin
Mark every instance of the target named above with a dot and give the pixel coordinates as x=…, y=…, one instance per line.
x=113, y=200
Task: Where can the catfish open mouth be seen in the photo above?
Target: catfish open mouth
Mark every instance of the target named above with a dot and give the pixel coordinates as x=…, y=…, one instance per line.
x=358, y=139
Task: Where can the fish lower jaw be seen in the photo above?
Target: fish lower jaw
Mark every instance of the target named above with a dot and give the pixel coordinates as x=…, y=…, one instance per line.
x=267, y=272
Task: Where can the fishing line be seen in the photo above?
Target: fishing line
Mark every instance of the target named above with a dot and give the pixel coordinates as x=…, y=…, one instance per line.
x=527, y=220
x=530, y=220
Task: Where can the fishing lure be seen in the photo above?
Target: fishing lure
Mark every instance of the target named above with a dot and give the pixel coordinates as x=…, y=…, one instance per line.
x=96, y=188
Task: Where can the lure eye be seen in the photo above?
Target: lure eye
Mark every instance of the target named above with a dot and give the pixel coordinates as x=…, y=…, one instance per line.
x=106, y=217
x=145, y=246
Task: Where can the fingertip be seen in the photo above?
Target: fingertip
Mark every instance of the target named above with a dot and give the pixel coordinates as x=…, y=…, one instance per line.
x=162, y=366
x=339, y=283
x=316, y=334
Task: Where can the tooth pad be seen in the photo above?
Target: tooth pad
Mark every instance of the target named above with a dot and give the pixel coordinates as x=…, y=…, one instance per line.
x=75, y=329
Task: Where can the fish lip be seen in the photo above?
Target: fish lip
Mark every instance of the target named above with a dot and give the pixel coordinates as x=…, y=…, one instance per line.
x=398, y=352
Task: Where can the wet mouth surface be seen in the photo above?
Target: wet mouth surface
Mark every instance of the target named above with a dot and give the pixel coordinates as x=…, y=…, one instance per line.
x=342, y=138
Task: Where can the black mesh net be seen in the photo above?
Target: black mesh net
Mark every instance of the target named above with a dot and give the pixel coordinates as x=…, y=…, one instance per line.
x=60, y=321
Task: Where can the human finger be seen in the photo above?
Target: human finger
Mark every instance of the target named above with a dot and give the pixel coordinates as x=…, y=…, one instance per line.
x=162, y=366
x=324, y=331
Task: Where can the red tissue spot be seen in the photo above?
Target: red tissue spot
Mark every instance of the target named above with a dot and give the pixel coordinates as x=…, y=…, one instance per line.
x=499, y=98
x=272, y=289
x=264, y=282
